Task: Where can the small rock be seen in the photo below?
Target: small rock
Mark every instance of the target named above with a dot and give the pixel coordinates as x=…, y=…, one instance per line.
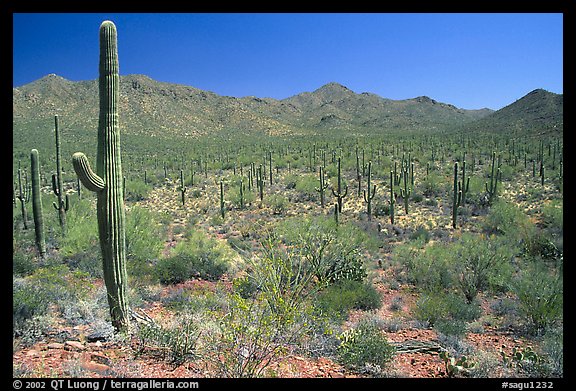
x=95, y=367
x=99, y=358
x=55, y=345
x=77, y=345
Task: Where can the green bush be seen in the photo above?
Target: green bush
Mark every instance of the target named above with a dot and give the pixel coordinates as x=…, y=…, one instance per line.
x=176, y=344
x=278, y=203
x=479, y=262
x=540, y=297
x=364, y=345
x=427, y=266
x=197, y=256
x=507, y=219
x=28, y=301
x=331, y=252
x=22, y=262
x=307, y=185
x=136, y=190
x=144, y=240
x=431, y=186
x=339, y=298
x=445, y=311
x=431, y=307
x=80, y=246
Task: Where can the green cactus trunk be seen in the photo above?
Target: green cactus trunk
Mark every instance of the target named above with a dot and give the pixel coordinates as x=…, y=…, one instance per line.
x=457, y=196
x=182, y=189
x=37, y=203
x=222, y=209
x=57, y=182
x=369, y=193
x=22, y=196
x=340, y=195
x=392, y=198
x=107, y=181
x=323, y=186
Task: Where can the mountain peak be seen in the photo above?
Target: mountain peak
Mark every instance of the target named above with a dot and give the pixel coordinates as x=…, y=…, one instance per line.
x=333, y=87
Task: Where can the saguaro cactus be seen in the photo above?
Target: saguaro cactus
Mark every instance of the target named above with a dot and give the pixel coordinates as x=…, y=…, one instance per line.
x=457, y=196
x=57, y=183
x=406, y=192
x=340, y=194
x=23, y=196
x=222, y=209
x=495, y=176
x=392, y=197
x=323, y=186
x=107, y=181
x=182, y=188
x=37, y=203
x=369, y=194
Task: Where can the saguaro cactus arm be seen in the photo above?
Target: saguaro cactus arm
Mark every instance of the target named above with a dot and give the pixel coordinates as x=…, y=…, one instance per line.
x=88, y=177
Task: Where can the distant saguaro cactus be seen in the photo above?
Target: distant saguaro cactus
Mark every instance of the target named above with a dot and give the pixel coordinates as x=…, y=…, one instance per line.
x=495, y=176
x=323, y=186
x=37, y=203
x=107, y=181
x=182, y=188
x=57, y=183
x=369, y=193
x=23, y=196
x=340, y=195
x=457, y=195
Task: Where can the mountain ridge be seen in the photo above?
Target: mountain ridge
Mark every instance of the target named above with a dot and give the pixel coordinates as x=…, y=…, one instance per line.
x=153, y=107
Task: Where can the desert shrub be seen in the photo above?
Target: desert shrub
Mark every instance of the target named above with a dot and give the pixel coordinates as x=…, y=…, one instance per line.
x=381, y=208
x=553, y=352
x=537, y=243
x=197, y=256
x=260, y=324
x=277, y=202
x=307, y=185
x=48, y=285
x=337, y=299
x=331, y=253
x=421, y=234
x=540, y=297
x=431, y=307
x=445, y=311
x=175, y=343
x=28, y=301
x=507, y=219
x=80, y=246
x=427, y=266
x=61, y=283
x=364, y=346
x=479, y=262
x=23, y=262
x=432, y=186
x=552, y=216
x=247, y=198
x=136, y=190
x=144, y=240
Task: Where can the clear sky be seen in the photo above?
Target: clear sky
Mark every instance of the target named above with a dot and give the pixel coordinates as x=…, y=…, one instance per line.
x=470, y=60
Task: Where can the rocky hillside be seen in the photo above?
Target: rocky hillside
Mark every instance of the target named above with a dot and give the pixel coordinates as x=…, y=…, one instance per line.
x=152, y=108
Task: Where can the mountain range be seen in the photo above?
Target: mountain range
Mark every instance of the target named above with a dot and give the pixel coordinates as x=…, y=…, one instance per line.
x=154, y=108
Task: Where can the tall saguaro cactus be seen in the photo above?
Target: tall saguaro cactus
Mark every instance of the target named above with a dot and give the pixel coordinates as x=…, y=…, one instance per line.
x=37, y=203
x=57, y=183
x=340, y=194
x=369, y=193
x=107, y=181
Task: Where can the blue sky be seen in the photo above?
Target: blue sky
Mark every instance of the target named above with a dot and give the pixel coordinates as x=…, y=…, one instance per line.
x=471, y=60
